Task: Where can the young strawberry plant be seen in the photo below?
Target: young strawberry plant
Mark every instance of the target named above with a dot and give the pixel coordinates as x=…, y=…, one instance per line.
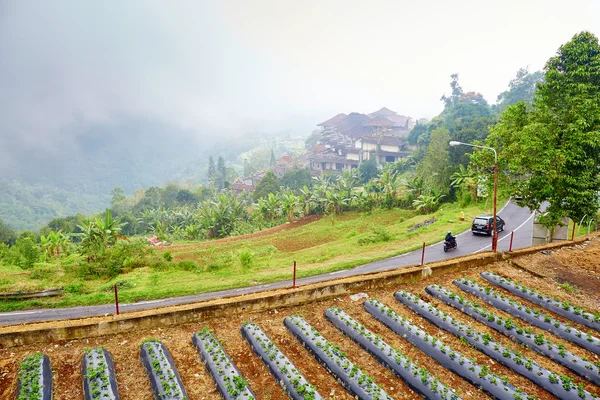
x=98, y=373
x=164, y=378
x=487, y=345
x=415, y=377
x=532, y=316
x=285, y=373
x=335, y=361
x=35, y=378
x=564, y=308
x=226, y=376
x=445, y=355
x=524, y=336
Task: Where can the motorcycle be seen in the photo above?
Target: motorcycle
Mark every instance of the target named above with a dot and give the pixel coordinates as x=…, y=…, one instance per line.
x=449, y=246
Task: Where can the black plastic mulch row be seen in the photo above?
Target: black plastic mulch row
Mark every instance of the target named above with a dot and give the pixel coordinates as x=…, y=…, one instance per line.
x=446, y=356
x=348, y=374
x=415, y=377
x=567, y=310
x=284, y=371
x=163, y=375
x=226, y=376
x=98, y=374
x=536, y=341
x=533, y=317
x=563, y=386
x=35, y=373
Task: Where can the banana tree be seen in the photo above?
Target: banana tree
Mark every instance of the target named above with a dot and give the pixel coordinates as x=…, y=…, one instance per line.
x=289, y=203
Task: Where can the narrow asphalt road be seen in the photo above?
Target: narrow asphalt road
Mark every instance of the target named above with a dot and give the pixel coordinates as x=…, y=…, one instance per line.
x=519, y=220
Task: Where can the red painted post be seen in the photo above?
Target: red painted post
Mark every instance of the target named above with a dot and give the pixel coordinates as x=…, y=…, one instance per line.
x=116, y=299
x=573, y=234
x=423, y=255
x=294, y=286
x=512, y=234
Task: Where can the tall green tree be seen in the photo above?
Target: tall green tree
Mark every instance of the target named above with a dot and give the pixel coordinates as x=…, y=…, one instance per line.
x=7, y=235
x=435, y=169
x=520, y=88
x=551, y=151
x=221, y=172
x=368, y=170
x=297, y=178
x=268, y=184
x=117, y=195
x=272, y=159
x=212, y=170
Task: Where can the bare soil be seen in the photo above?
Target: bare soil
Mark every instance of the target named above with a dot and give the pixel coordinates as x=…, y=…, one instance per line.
x=578, y=266
x=65, y=356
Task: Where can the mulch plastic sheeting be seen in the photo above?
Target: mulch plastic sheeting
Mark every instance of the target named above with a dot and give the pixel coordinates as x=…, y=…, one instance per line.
x=226, y=376
x=348, y=374
x=415, y=377
x=447, y=357
x=44, y=383
x=98, y=374
x=164, y=374
x=562, y=387
x=533, y=317
x=538, y=343
x=565, y=309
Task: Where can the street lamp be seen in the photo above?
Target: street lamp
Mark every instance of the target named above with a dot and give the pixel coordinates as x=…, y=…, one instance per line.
x=495, y=234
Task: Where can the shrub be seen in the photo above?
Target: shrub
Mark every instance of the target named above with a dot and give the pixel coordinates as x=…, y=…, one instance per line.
x=168, y=256
x=43, y=271
x=110, y=261
x=378, y=235
x=75, y=287
x=246, y=258
x=25, y=253
x=188, y=265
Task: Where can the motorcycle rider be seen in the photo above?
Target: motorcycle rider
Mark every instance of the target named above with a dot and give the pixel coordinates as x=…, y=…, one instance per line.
x=450, y=239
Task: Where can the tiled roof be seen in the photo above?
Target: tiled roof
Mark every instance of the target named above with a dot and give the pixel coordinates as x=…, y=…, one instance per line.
x=384, y=112
x=333, y=121
x=380, y=122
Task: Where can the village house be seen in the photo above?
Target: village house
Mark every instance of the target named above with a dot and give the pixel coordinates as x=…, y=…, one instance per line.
x=348, y=140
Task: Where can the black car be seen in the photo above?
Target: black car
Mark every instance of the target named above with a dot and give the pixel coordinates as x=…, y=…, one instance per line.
x=485, y=224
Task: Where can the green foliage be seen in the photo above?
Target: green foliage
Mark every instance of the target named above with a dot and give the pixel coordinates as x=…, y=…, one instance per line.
x=520, y=88
x=246, y=258
x=268, y=184
x=167, y=256
x=24, y=253
x=296, y=179
x=378, y=234
x=188, y=265
x=435, y=168
x=367, y=170
x=551, y=152
x=415, y=133
x=7, y=235
x=99, y=233
x=110, y=261
x=218, y=217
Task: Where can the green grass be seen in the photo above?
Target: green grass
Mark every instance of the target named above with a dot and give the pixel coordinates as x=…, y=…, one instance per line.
x=333, y=243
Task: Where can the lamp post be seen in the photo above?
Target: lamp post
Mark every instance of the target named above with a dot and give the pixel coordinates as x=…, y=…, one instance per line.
x=495, y=233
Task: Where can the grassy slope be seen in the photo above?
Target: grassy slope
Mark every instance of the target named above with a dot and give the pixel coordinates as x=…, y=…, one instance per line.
x=329, y=244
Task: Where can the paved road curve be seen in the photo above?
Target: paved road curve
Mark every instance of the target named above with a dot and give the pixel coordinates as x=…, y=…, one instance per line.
x=519, y=220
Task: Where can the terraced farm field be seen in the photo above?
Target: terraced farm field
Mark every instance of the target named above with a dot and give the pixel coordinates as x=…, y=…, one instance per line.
x=456, y=336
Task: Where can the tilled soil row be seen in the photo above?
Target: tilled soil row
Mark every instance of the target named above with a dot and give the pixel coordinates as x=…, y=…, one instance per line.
x=66, y=356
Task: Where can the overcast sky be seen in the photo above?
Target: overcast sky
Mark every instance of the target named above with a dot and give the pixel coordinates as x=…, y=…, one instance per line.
x=236, y=66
